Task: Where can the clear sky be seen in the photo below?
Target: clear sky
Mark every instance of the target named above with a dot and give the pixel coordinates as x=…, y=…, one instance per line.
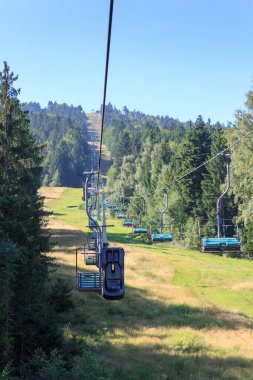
x=176, y=57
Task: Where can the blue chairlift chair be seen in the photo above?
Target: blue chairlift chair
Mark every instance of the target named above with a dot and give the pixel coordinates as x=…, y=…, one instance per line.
x=116, y=209
x=121, y=216
x=128, y=223
x=221, y=243
x=138, y=229
x=161, y=236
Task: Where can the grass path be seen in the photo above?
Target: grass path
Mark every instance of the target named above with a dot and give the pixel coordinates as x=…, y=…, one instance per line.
x=94, y=123
x=185, y=315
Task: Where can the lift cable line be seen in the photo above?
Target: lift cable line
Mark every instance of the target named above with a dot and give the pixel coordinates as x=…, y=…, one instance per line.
x=107, y=278
x=105, y=86
x=210, y=159
x=196, y=168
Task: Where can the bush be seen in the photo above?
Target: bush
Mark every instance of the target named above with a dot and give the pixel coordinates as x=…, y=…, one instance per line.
x=248, y=244
x=86, y=368
x=41, y=367
x=5, y=373
x=191, y=238
x=53, y=367
x=61, y=296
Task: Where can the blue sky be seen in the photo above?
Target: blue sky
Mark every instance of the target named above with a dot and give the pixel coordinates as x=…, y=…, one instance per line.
x=181, y=58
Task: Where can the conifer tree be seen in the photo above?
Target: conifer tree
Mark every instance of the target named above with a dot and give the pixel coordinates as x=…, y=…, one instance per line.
x=9, y=260
x=123, y=148
x=22, y=223
x=194, y=151
x=216, y=172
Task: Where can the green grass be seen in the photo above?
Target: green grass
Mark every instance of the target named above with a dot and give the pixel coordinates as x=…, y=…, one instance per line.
x=185, y=314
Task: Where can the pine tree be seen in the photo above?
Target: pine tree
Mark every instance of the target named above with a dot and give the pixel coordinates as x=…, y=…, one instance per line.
x=10, y=258
x=195, y=149
x=22, y=223
x=216, y=172
x=123, y=148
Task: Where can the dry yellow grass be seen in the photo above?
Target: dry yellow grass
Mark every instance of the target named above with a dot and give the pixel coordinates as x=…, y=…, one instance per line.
x=147, y=331
x=51, y=192
x=94, y=122
x=247, y=285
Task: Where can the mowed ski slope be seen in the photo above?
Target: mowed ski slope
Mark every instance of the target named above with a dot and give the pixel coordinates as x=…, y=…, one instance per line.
x=185, y=315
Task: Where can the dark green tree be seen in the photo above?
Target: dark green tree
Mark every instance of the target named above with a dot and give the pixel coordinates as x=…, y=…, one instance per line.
x=22, y=223
x=61, y=296
x=195, y=150
x=216, y=172
x=9, y=260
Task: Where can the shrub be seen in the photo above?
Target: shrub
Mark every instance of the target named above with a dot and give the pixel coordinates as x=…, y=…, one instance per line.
x=61, y=296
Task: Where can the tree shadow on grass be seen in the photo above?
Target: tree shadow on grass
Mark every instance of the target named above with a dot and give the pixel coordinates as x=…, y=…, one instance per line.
x=67, y=239
x=126, y=238
x=180, y=360
x=130, y=362
x=137, y=311
x=183, y=359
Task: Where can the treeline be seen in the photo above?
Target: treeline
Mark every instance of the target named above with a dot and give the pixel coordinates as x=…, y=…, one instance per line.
x=62, y=131
x=32, y=308
x=151, y=153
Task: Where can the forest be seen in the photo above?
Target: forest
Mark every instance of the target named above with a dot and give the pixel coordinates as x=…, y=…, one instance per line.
x=49, y=146
x=32, y=343
x=151, y=153
x=62, y=131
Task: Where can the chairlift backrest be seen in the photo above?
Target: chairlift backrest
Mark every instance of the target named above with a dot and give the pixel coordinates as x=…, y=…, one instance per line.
x=113, y=269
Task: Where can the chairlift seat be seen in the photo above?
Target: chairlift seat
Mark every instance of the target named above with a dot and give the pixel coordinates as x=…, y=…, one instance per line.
x=121, y=216
x=221, y=244
x=91, y=259
x=89, y=281
x=161, y=237
x=90, y=246
x=140, y=230
x=128, y=223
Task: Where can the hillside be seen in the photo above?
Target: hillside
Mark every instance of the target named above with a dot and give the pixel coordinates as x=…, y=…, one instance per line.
x=185, y=315
x=62, y=132
x=93, y=123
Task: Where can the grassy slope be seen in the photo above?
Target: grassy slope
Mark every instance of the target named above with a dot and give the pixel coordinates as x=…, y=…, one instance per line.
x=185, y=315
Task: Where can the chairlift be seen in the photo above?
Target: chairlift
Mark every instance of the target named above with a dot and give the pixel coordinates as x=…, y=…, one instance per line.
x=128, y=223
x=221, y=243
x=121, y=216
x=108, y=279
x=113, y=273
x=116, y=209
x=138, y=229
x=161, y=236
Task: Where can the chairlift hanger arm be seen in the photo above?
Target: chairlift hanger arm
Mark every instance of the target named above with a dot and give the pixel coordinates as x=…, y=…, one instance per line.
x=163, y=211
x=143, y=209
x=218, y=207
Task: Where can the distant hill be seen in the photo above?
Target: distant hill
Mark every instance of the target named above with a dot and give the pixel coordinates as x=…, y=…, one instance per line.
x=62, y=131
